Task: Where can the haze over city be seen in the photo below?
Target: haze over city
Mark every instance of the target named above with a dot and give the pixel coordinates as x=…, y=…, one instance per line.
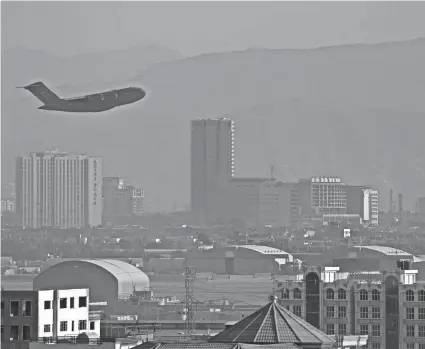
x=150, y=33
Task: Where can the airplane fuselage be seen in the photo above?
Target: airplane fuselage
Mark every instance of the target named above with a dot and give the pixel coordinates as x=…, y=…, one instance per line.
x=97, y=102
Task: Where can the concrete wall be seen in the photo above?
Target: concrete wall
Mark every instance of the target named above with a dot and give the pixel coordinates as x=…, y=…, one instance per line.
x=208, y=264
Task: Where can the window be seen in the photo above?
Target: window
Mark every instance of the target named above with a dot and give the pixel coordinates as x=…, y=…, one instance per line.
x=63, y=326
x=47, y=328
x=285, y=293
x=297, y=293
x=364, y=295
x=330, y=329
x=330, y=294
x=2, y=333
x=410, y=296
x=410, y=345
x=421, y=296
x=376, y=313
x=376, y=296
x=342, y=312
x=47, y=304
x=421, y=345
x=71, y=302
x=342, y=329
x=26, y=333
x=14, y=332
x=26, y=308
x=376, y=345
x=92, y=322
x=410, y=313
x=421, y=331
x=410, y=331
x=376, y=330
x=72, y=325
x=2, y=305
x=330, y=311
x=421, y=313
x=296, y=309
x=364, y=312
x=63, y=303
x=364, y=329
x=82, y=325
x=14, y=308
x=342, y=294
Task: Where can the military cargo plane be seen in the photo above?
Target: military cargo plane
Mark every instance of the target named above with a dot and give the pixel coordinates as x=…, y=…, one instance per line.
x=92, y=103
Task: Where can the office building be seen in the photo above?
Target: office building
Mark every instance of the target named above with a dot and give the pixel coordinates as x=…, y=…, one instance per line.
x=420, y=207
x=320, y=196
x=120, y=201
x=59, y=190
x=363, y=201
x=212, y=165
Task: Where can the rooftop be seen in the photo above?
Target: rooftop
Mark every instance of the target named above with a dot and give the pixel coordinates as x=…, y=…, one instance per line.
x=273, y=324
x=262, y=249
x=388, y=251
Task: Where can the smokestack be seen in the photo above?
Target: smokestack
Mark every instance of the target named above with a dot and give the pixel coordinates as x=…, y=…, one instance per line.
x=400, y=204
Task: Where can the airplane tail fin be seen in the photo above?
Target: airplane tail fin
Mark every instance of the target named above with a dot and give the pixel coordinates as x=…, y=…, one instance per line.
x=41, y=91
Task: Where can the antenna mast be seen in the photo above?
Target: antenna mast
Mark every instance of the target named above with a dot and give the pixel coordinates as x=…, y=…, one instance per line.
x=190, y=276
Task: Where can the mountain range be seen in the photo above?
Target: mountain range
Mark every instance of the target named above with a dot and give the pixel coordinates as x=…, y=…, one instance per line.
x=354, y=111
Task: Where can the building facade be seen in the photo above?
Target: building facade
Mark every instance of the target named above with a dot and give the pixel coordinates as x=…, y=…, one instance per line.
x=120, y=201
x=59, y=190
x=386, y=306
x=320, y=196
x=19, y=318
x=212, y=165
x=364, y=201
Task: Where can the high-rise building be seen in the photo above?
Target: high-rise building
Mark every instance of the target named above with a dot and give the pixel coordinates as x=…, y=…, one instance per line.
x=59, y=190
x=420, y=206
x=120, y=201
x=363, y=201
x=212, y=165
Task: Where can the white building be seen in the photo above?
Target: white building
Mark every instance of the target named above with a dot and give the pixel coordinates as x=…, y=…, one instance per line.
x=64, y=313
x=59, y=190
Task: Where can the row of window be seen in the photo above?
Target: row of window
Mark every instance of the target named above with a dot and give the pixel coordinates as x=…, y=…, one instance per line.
x=410, y=296
x=19, y=308
x=63, y=326
x=412, y=346
x=330, y=294
x=330, y=312
x=410, y=331
x=410, y=313
x=341, y=329
x=364, y=312
x=285, y=293
x=63, y=303
x=17, y=334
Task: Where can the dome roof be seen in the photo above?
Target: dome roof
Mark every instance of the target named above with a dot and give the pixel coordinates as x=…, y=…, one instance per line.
x=273, y=324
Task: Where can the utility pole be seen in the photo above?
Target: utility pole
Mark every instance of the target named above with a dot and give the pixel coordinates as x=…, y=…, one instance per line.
x=190, y=276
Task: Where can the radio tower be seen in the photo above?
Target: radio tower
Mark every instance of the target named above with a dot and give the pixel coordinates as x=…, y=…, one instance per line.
x=190, y=301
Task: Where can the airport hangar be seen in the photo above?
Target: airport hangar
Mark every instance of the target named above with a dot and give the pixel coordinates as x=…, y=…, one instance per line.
x=107, y=279
x=241, y=259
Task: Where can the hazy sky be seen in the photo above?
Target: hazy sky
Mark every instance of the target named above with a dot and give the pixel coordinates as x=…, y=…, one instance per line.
x=198, y=27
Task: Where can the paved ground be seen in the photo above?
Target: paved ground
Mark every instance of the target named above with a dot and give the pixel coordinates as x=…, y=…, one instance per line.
x=241, y=290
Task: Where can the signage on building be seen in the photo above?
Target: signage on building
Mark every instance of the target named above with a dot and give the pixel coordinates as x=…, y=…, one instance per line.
x=94, y=182
x=346, y=233
x=124, y=317
x=325, y=180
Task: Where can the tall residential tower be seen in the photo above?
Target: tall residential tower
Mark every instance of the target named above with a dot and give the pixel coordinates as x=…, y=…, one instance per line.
x=59, y=190
x=212, y=165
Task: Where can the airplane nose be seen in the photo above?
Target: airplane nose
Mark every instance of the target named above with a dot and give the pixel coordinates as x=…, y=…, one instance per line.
x=141, y=93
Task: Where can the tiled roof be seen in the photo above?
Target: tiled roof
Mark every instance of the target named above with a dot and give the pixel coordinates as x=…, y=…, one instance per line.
x=180, y=345
x=272, y=324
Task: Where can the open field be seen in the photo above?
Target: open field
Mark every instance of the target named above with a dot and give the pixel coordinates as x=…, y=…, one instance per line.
x=253, y=291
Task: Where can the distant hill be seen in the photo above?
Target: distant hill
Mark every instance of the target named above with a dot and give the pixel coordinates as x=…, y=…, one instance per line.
x=356, y=111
